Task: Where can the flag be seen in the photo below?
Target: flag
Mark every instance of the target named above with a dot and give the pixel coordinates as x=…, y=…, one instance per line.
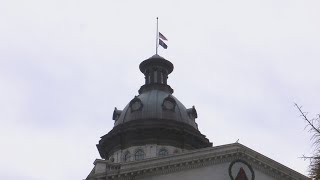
x=161, y=43
x=161, y=36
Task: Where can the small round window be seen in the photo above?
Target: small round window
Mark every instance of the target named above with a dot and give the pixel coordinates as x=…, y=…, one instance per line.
x=136, y=105
x=168, y=104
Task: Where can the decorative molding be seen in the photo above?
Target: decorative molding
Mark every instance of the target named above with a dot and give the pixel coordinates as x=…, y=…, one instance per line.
x=240, y=161
x=151, y=131
x=116, y=114
x=200, y=158
x=169, y=103
x=135, y=104
x=192, y=112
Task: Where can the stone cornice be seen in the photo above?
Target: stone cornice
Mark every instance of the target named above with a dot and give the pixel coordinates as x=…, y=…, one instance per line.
x=196, y=159
x=151, y=131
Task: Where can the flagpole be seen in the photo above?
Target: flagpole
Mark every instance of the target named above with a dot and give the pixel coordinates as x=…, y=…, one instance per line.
x=157, y=38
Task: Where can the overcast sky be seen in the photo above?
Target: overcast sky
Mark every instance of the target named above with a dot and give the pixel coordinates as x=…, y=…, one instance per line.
x=65, y=65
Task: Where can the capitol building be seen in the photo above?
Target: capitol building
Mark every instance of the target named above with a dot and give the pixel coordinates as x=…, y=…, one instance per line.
x=155, y=137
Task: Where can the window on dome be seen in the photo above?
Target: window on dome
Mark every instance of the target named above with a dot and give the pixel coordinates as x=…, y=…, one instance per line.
x=169, y=103
x=163, y=152
x=139, y=155
x=127, y=156
x=135, y=104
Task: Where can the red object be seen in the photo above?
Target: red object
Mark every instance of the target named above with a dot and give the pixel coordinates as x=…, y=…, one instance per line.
x=241, y=175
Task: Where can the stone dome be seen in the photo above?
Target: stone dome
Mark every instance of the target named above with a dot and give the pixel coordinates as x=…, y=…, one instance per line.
x=155, y=116
x=155, y=99
x=156, y=104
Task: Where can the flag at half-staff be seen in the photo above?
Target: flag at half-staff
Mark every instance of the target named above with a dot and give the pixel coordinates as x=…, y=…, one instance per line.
x=161, y=36
x=160, y=40
x=161, y=43
x=164, y=45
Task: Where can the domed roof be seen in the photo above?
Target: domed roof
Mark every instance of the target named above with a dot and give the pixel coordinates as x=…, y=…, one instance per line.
x=155, y=116
x=157, y=104
x=155, y=100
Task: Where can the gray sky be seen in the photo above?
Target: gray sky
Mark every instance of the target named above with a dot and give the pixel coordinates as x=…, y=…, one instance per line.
x=65, y=65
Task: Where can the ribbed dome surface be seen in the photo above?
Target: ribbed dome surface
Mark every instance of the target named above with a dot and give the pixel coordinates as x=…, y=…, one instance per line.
x=155, y=116
x=152, y=104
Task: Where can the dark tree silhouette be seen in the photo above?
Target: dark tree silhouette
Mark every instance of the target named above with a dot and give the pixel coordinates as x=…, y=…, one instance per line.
x=313, y=126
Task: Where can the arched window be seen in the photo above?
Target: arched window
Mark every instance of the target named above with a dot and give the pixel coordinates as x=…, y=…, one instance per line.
x=127, y=156
x=139, y=155
x=163, y=152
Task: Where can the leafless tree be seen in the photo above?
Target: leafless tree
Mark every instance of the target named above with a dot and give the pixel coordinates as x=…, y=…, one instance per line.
x=313, y=126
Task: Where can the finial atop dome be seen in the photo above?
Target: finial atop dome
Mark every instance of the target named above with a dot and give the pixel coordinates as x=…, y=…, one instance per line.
x=156, y=56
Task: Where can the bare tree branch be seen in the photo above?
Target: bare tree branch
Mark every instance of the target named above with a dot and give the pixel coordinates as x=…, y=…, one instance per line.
x=310, y=122
x=310, y=157
x=314, y=124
